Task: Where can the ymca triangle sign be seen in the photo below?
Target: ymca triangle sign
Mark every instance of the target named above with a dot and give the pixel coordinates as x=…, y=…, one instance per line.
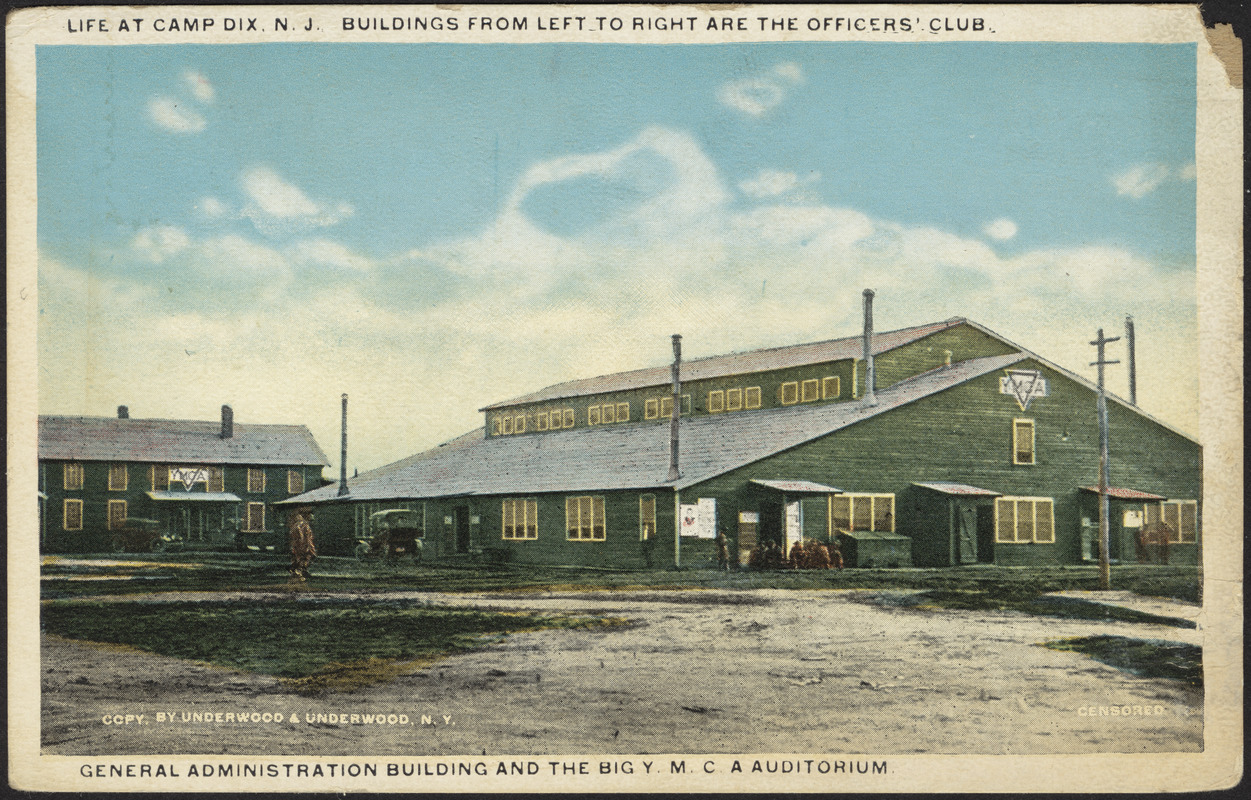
x=1024, y=385
x=188, y=476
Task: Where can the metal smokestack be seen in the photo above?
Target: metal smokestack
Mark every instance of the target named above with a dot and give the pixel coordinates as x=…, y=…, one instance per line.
x=343, y=484
x=228, y=422
x=869, y=399
x=674, y=474
x=1133, y=373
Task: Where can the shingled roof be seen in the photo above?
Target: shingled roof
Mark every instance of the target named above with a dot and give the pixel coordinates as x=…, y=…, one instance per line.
x=174, y=440
x=630, y=456
x=732, y=364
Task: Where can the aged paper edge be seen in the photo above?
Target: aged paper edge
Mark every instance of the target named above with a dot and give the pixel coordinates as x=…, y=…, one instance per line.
x=1219, y=251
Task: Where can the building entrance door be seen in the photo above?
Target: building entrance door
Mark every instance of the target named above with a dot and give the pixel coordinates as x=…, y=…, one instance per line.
x=966, y=533
x=462, y=529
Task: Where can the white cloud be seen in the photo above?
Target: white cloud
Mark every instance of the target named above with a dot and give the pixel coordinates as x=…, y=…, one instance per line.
x=514, y=306
x=1186, y=172
x=769, y=183
x=276, y=206
x=1001, y=229
x=169, y=115
x=1141, y=180
x=756, y=95
x=158, y=244
x=199, y=86
x=212, y=208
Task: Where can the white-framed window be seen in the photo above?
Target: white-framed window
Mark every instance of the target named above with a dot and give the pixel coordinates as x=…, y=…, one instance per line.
x=1181, y=516
x=567, y=418
x=72, y=515
x=295, y=481
x=519, y=423
x=830, y=387
x=733, y=399
x=861, y=511
x=651, y=408
x=751, y=397
x=789, y=393
x=1022, y=441
x=73, y=476
x=608, y=413
x=497, y=426
x=623, y=412
x=592, y=415
x=255, y=520
x=584, y=518
x=1024, y=519
x=217, y=479
x=521, y=519
x=716, y=401
x=647, y=516
x=540, y=421
x=117, y=514
x=506, y=425
x=119, y=477
x=666, y=407
x=256, y=480
x=810, y=391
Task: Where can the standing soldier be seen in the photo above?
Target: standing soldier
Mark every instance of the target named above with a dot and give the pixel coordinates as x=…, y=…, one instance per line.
x=303, y=550
x=723, y=552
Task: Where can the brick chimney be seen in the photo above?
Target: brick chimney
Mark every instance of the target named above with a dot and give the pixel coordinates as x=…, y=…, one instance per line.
x=123, y=412
x=869, y=381
x=228, y=422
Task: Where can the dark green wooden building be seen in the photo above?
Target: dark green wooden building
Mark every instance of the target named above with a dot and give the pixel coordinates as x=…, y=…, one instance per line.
x=967, y=449
x=201, y=482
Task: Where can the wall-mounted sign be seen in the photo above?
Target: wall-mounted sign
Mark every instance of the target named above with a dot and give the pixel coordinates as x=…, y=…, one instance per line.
x=475, y=520
x=188, y=476
x=1133, y=518
x=699, y=519
x=1024, y=385
x=749, y=517
x=447, y=520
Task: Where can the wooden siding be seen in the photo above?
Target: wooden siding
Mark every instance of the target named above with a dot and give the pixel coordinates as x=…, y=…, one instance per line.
x=965, y=435
x=218, y=517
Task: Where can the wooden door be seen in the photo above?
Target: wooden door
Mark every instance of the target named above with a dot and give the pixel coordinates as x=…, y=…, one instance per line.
x=966, y=533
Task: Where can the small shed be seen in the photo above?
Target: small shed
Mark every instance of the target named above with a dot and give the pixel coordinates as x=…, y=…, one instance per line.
x=874, y=549
x=955, y=524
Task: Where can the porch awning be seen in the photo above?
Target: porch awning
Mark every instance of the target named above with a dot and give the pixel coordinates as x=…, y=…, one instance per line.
x=960, y=489
x=873, y=536
x=1121, y=493
x=196, y=497
x=797, y=487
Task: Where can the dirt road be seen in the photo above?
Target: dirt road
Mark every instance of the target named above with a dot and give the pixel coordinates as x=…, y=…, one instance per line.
x=765, y=671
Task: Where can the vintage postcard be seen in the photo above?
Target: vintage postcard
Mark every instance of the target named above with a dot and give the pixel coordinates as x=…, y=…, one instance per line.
x=800, y=398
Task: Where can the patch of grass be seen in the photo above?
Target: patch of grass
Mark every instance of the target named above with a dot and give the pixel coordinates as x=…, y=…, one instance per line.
x=1017, y=599
x=327, y=644
x=1146, y=658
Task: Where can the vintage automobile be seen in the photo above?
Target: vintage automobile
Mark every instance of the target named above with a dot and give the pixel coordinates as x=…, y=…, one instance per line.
x=138, y=535
x=395, y=532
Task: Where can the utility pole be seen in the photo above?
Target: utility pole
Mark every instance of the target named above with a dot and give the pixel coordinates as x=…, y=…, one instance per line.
x=1105, y=566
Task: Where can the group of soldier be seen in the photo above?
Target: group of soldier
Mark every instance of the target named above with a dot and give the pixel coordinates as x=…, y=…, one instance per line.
x=806, y=554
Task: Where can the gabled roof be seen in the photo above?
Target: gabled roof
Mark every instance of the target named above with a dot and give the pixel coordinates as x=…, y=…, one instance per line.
x=175, y=440
x=732, y=364
x=631, y=456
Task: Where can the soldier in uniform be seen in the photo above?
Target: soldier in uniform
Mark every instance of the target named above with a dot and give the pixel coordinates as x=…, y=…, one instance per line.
x=303, y=551
x=723, y=552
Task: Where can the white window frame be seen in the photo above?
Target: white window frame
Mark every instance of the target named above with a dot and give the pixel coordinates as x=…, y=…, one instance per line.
x=644, y=533
x=1177, y=537
x=1017, y=424
x=295, y=476
x=567, y=420
x=71, y=502
x=651, y=408
x=109, y=512
x=598, y=513
x=119, y=469
x=805, y=385
x=794, y=387
x=252, y=471
x=72, y=469
x=623, y=412
x=875, y=501
x=608, y=413
x=1034, y=504
x=748, y=394
x=716, y=401
x=247, y=517
x=734, y=399
x=529, y=512
x=828, y=393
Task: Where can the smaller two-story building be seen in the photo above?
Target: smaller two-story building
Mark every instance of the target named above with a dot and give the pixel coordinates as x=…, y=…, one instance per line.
x=200, y=481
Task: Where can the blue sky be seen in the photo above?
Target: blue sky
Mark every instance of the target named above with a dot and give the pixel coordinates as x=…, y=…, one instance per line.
x=433, y=228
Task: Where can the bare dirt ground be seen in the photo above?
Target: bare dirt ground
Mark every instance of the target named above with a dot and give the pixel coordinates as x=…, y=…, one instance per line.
x=763, y=671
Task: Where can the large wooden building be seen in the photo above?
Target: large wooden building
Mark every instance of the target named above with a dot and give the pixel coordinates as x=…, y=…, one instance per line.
x=966, y=448
x=200, y=483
